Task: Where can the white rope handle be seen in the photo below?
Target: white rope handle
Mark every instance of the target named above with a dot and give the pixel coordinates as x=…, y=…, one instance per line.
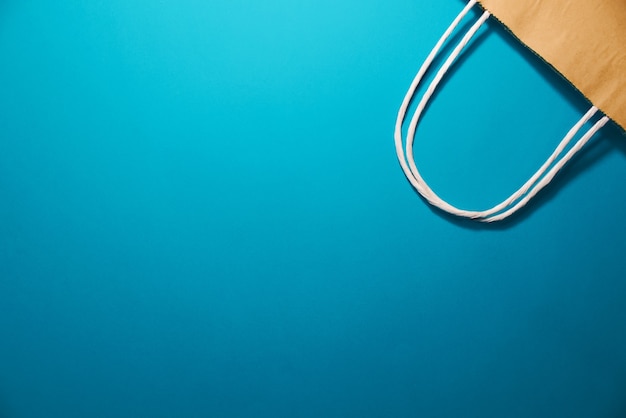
x=536, y=183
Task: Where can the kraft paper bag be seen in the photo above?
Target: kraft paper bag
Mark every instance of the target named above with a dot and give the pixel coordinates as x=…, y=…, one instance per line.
x=583, y=40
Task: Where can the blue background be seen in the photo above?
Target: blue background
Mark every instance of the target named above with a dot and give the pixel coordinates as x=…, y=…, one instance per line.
x=202, y=215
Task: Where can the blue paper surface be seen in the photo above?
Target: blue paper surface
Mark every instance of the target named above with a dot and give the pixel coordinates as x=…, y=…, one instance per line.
x=202, y=215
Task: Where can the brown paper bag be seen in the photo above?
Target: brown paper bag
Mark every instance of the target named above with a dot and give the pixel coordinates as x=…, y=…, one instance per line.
x=585, y=41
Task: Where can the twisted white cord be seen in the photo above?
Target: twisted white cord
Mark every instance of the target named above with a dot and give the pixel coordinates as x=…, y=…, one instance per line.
x=536, y=183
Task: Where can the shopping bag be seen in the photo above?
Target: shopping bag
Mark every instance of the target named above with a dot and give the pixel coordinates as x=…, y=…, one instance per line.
x=584, y=41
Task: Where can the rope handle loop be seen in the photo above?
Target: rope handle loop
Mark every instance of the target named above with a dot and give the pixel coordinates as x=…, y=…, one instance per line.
x=524, y=194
